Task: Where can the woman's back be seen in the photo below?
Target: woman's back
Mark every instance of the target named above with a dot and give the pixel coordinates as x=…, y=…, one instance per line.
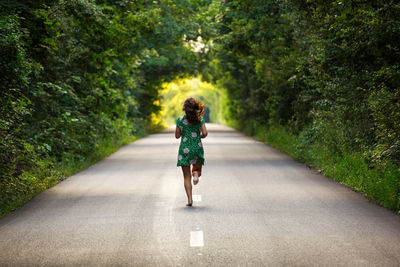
x=191, y=149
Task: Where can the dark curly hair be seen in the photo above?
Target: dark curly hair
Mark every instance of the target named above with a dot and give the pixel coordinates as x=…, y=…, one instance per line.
x=194, y=110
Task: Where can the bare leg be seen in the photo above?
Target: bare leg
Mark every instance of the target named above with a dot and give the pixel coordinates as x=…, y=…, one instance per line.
x=188, y=184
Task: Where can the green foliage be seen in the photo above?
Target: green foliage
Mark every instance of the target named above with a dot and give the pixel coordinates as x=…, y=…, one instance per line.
x=80, y=77
x=326, y=71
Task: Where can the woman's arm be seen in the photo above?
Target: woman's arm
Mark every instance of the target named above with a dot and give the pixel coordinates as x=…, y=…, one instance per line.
x=204, y=132
x=177, y=132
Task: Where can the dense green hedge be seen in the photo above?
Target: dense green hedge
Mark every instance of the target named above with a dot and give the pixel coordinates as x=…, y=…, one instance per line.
x=78, y=79
x=328, y=72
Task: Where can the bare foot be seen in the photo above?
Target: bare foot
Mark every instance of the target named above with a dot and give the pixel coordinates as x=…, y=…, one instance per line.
x=189, y=204
x=195, y=178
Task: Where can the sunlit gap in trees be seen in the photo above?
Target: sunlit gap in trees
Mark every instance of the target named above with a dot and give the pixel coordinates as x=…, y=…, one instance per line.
x=198, y=45
x=173, y=94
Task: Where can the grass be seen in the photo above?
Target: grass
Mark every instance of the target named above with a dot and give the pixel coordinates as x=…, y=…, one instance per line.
x=69, y=167
x=377, y=183
x=48, y=174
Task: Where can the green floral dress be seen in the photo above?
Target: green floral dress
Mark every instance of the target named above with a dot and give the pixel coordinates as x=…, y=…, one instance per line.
x=191, y=149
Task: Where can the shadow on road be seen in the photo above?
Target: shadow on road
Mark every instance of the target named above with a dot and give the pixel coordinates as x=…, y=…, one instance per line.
x=193, y=209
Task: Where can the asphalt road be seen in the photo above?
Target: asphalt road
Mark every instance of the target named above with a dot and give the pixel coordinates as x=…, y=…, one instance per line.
x=258, y=208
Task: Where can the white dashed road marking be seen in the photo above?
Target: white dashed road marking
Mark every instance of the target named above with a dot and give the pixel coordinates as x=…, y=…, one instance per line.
x=196, y=239
x=196, y=198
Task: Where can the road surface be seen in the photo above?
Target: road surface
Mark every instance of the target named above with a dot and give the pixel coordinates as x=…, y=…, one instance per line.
x=258, y=208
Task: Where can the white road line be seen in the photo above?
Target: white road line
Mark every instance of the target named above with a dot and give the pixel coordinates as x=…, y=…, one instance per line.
x=196, y=198
x=196, y=239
